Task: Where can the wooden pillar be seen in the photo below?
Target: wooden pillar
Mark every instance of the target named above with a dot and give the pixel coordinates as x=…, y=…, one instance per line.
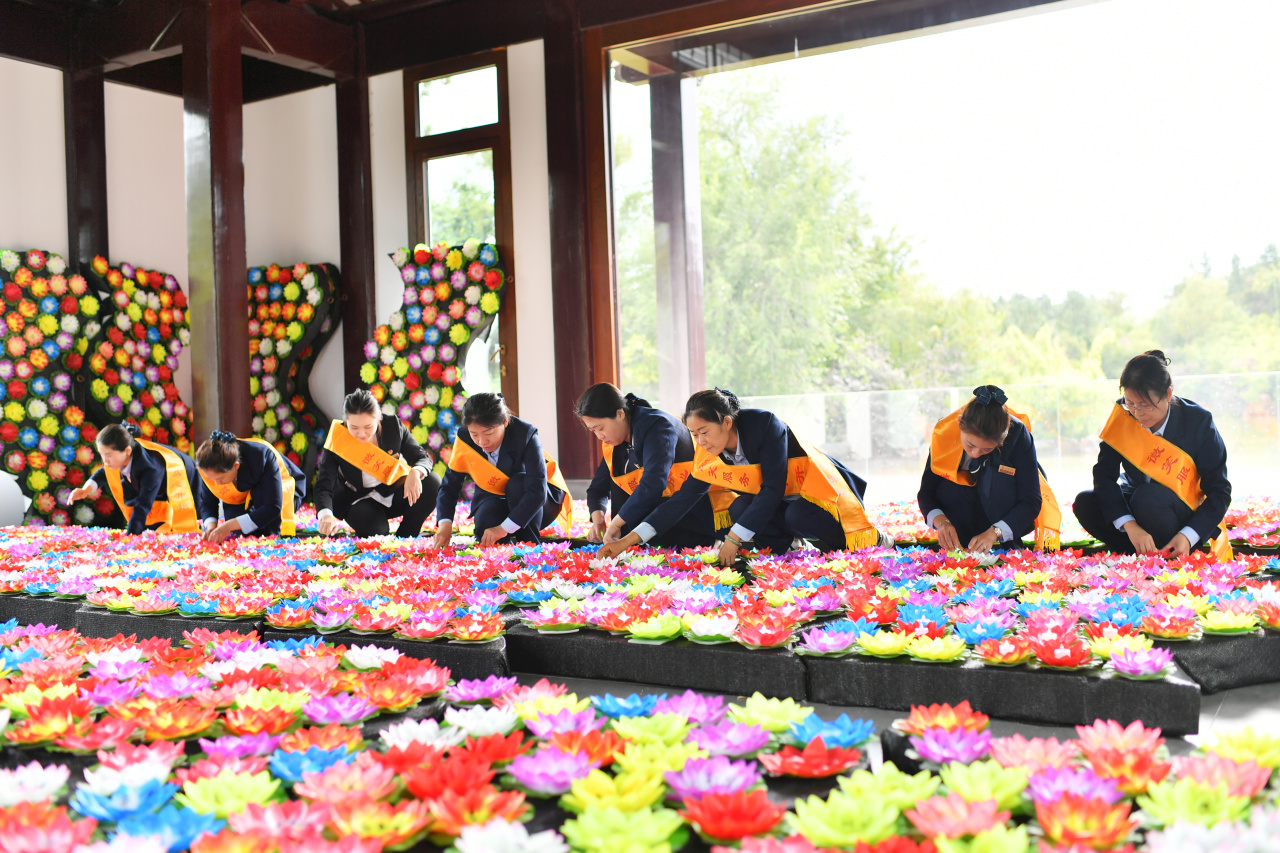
x=355, y=211
x=677, y=220
x=566, y=143
x=84, y=124
x=213, y=124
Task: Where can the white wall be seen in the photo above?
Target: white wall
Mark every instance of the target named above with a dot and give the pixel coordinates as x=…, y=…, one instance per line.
x=530, y=197
x=291, y=201
x=291, y=196
x=390, y=208
x=146, y=191
x=33, y=165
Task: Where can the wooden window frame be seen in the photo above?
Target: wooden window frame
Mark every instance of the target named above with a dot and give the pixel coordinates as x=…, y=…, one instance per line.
x=495, y=137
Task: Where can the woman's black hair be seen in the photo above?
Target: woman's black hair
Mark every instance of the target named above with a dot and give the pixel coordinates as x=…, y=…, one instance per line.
x=219, y=453
x=985, y=415
x=713, y=406
x=485, y=409
x=118, y=436
x=1148, y=374
x=603, y=400
x=361, y=402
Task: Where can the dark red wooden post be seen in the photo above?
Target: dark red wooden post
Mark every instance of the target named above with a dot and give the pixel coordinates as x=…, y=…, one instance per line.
x=84, y=124
x=570, y=262
x=355, y=211
x=216, y=268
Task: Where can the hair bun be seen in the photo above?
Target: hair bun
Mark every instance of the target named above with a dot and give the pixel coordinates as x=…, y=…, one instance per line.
x=133, y=429
x=222, y=435
x=727, y=393
x=985, y=395
x=1158, y=355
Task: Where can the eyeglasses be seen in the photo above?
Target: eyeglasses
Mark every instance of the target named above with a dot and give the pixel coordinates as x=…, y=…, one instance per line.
x=1139, y=408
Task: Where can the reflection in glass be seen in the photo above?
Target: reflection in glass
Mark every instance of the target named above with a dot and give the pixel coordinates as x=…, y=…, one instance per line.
x=459, y=101
x=460, y=199
x=460, y=206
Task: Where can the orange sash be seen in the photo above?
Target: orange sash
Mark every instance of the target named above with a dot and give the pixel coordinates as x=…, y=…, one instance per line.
x=177, y=514
x=365, y=455
x=467, y=460
x=1162, y=461
x=946, y=452
x=229, y=494
x=812, y=477
x=627, y=482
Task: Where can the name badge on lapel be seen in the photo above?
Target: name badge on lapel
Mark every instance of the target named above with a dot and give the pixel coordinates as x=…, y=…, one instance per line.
x=1005, y=469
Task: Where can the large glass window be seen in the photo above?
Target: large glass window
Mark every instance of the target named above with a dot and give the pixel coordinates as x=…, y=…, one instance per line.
x=459, y=152
x=854, y=228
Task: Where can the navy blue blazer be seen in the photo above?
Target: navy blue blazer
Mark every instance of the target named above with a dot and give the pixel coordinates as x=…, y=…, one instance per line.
x=337, y=474
x=658, y=441
x=765, y=441
x=259, y=475
x=148, y=482
x=1011, y=498
x=520, y=457
x=1191, y=428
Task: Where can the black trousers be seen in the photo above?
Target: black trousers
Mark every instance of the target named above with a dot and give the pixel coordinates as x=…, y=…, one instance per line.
x=1156, y=508
x=369, y=518
x=273, y=529
x=695, y=530
x=963, y=508
x=493, y=511
x=796, y=519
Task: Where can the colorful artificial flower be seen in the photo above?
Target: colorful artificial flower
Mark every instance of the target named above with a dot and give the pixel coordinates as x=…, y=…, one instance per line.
x=953, y=816
x=732, y=816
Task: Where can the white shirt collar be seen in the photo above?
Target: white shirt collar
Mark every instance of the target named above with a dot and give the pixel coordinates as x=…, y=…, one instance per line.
x=1163, y=426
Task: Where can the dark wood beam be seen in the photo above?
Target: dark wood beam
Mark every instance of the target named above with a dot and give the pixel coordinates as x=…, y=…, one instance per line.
x=260, y=80
x=423, y=33
x=34, y=33
x=355, y=212
x=138, y=32
x=214, y=137
x=295, y=36
x=134, y=33
x=84, y=120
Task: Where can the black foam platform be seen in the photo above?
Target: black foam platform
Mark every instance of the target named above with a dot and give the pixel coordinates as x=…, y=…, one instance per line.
x=1017, y=693
x=100, y=622
x=39, y=610
x=1223, y=663
x=725, y=668
x=464, y=660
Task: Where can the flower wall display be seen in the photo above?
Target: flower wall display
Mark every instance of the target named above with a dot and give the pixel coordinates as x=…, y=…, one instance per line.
x=130, y=364
x=229, y=743
x=290, y=320
x=47, y=439
x=414, y=361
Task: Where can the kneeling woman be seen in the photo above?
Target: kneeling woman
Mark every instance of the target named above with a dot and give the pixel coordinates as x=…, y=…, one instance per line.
x=1160, y=482
x=786, y=490
x=154, y=485
x=373, y=471
x=982, y=485
x=648, y=454
x=518, y=489
x=258, y=488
